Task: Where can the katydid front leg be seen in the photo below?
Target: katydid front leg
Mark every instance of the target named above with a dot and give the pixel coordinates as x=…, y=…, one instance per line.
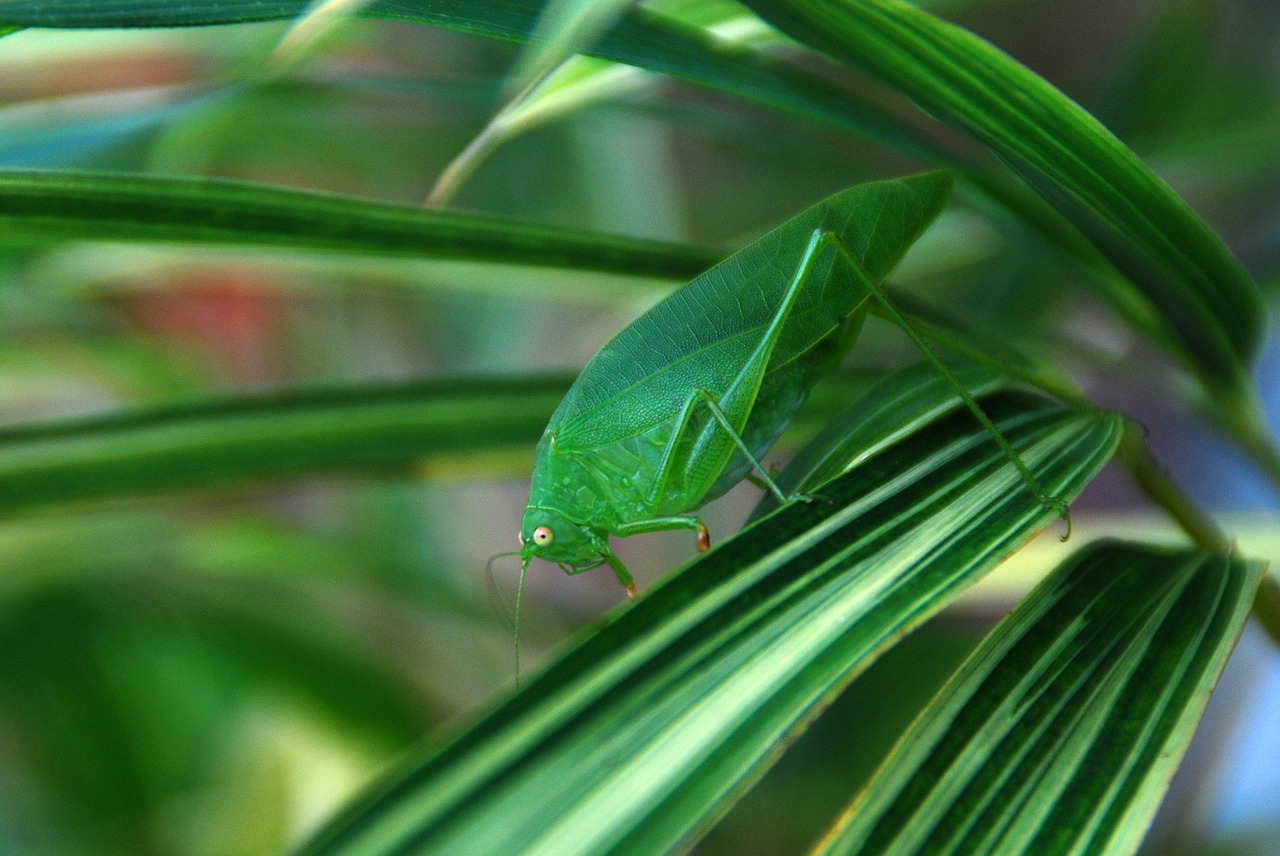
x=640, y=527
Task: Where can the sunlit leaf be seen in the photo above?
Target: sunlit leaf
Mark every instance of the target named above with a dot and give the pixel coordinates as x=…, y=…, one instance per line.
x=581, y=81
x=1062, y=731
x=315, y=22
x=564, y=28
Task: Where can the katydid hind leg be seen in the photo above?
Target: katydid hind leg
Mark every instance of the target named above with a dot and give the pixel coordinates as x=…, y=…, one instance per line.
x=719, y=438
x=671, y=461
x=738, y=400
x=891, y=312
x=720, y=416
x=842, y=340
x=713, y=448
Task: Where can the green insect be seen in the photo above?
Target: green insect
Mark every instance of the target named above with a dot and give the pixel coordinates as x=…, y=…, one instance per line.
x=681, y=404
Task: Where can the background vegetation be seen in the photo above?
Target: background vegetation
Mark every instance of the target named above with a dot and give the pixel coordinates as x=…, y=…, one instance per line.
x=258, y=444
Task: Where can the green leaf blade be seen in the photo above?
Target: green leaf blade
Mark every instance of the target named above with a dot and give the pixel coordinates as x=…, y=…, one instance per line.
x=96, y=206
x=1061, y=733
x=1139, y=223
x=894, y=407
x=636, y=739
x=440, y=425
x=217, y=443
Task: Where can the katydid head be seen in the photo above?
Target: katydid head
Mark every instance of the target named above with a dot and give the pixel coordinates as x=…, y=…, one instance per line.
x=549, y=535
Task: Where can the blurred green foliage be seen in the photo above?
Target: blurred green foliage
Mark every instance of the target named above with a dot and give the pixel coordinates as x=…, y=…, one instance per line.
x=211, y=672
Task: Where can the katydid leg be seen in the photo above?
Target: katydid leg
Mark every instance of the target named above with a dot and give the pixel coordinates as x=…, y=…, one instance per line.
x=733, y=409
x=619, y=569
x=654, y=524
x=892, y=314
x=639, y=527
x=665, y=524
x=723, y=419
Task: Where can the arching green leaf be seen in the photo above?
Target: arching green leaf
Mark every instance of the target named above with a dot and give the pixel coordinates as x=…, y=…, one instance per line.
x=92, y=206
x=1207, y=302
x=215, y=443
x=1062, y=731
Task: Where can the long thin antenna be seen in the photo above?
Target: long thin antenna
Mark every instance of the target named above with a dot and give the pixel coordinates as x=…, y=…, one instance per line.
x=524, y=566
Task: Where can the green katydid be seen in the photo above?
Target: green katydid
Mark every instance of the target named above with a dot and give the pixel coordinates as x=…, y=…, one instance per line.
x=681, y=404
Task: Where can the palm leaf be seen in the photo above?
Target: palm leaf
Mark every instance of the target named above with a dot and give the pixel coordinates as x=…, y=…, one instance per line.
x=98, y=206
x=1062, y=731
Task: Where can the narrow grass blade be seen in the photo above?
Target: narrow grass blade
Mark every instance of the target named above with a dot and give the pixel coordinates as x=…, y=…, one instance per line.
x=316, y=21
x=564, y=28
x=639, y=737
x=218, y=443
x=93, y=206
x=1062, y=731
x=1206, y=300
x=581, y=81
x=462, y=425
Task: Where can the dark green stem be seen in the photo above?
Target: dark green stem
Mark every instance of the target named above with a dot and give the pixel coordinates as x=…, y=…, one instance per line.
x=1155, y=483
x=1266, y=606
x=1261, y=449
x=1240, y=416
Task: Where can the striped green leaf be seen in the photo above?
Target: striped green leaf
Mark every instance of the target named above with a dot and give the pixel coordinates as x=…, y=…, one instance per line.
x=891, y=409
x=635, y=740
x=1207, y=302
x=1061, y=732
x=94, y=206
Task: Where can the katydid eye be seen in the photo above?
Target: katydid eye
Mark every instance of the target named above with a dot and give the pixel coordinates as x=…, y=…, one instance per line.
x=542, y=536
